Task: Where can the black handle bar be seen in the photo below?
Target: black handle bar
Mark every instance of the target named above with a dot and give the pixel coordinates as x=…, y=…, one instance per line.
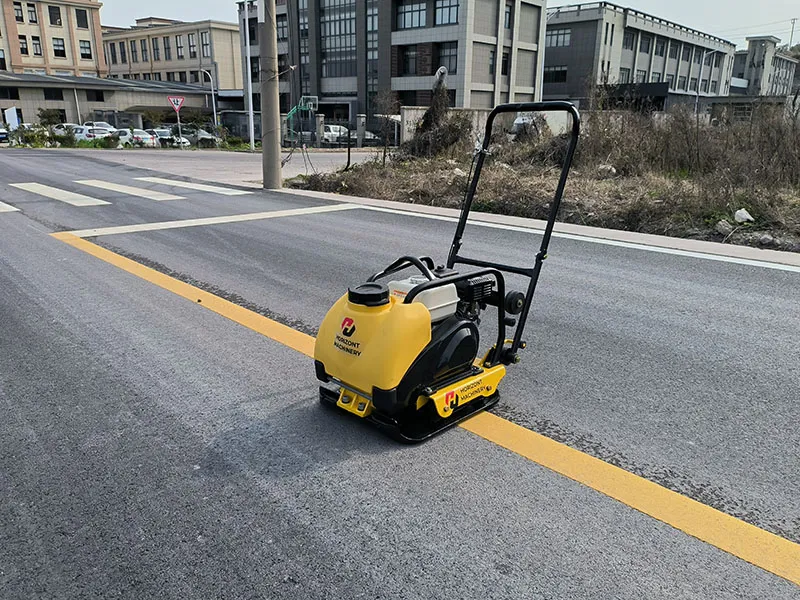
x=425, y=264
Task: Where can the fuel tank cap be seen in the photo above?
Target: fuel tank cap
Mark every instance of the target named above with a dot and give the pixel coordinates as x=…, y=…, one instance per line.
x=369, y=294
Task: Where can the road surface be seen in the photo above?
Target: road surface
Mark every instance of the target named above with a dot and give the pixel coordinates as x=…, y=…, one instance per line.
x=153, y=446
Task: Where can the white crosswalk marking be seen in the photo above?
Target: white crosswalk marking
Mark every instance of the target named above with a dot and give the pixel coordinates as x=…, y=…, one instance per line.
x=130, y=190
x=7, y=208
x=200, y=187
x=59, y=194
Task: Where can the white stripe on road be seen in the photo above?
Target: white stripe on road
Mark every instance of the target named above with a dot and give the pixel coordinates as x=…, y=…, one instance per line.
x=200, y=187
x=130, y=190
x=7, y=207
x=604, y=242
x=84, y=233
x=59, y=194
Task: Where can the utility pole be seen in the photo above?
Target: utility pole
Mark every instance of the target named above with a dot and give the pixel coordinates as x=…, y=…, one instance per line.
x=791, y=37
x=249, y=78
x=270, y=98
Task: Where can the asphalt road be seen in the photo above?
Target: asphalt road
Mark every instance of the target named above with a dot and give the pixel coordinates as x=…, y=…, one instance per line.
x=151, y=448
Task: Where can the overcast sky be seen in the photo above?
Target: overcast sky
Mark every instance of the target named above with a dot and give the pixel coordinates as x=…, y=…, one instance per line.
x=733, y=20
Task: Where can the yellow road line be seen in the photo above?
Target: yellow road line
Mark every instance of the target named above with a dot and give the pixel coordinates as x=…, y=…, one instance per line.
x=752, y=544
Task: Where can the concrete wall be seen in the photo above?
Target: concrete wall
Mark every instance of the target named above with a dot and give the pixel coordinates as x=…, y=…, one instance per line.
x=410, y=116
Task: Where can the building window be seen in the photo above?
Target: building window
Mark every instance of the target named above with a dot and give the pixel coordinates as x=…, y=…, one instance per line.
x=146, y=76
x=338, y=38
x=156, y=49
x=282, y=27
x=507, y=18
x=557, y=37
x=656, y=78
x=255, y=67
x=205, y=43
x=555, y=74
x=56, y=94
x=671, y=81
x=505, y=64
x=687, y=53
x=252, y=26
x=134, y=52
x=9, y=93
x=123, y=57
x=698, y=56
x=408, y=65
x=170, y=76
x=143, y=44
x=59, y=49
x=55, y=15
x=167, y=49
x=641, y=76
x=704, y=85
x=714, y=87
x=448, y=56
x=605, y=41
x=36, y=42
x=673, y=50
x=23, y=45
x=682, y=82
x=32, y=16
x=194, y=76
x=95, y=96
x=644, y=45
x=157, y=76
x=661, y=47
x=182, y=76
x=693, y=84
x=718, y=60
x=492, y=59
x=3, y=60
x=192, y=45
x=179, y=46
x=18, y=12
x=612, y=34
x=112, y=47
x=82, y=18
x=86, y=49
x=624, y=75
x=446, y=12
x=628, y=41
x=410, y=14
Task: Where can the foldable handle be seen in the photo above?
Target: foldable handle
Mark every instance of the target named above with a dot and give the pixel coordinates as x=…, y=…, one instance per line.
x=425, y=264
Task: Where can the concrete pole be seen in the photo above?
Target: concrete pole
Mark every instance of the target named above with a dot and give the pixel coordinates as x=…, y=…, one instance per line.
x=270, y=97
x=249, y=78
x=361, y=126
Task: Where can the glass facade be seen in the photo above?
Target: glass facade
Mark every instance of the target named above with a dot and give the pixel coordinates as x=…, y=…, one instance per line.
x=337, y=21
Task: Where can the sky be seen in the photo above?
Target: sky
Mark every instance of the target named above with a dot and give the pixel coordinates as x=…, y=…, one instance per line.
x=732, y=20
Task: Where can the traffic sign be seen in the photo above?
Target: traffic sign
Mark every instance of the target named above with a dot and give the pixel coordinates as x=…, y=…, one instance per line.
x=176, y=102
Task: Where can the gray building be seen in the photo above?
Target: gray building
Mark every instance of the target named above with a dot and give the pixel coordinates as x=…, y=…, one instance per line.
x=346, y=51
x=639, y=54
x=762, y=70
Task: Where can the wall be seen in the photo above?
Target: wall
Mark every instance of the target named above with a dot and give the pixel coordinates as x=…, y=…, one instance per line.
x=411, y=115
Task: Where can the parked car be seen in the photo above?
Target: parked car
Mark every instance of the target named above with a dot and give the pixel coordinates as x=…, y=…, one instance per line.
x=165, y=137
x=370, y=139
x=83, y=134
x=137, y=137
x=334, y=134
x=101, y=124
x=3, y=134
x=61, y=128
x=198, y=136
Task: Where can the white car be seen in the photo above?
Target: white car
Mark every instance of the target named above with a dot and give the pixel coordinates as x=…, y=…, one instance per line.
x=137, y=137
x=101, y=124
x=165, y=137
x=61, y=128
x=88, y=134
x=333, y=134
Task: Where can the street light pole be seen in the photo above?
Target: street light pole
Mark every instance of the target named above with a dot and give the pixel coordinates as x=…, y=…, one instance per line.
x=270, y=97
x=249, y=77
x=213, y=98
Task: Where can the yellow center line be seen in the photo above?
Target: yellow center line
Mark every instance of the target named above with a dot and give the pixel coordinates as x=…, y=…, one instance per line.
x=761, y=548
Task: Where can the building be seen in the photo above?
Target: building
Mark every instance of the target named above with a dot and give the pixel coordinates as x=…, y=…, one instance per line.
x=62, y=37
x=176, y=51
x=80, y=99
x=640, y=55
x=345, y=51
x=762, y=69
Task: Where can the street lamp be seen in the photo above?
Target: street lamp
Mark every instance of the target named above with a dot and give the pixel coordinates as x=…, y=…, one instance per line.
x=213, y=99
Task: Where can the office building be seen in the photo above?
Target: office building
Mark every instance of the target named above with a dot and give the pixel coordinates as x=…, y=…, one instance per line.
x=176, y=51
x=346, y=51
x=762, y=69
x=62, y=37
x=639, y=54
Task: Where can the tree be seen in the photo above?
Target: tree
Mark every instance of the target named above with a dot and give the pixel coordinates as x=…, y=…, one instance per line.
x=154, y=117
x=386, y=105
x=795, y=51
x=49, y=117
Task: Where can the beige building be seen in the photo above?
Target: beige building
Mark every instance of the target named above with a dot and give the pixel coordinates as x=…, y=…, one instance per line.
x=58, y=37
x=167, y=50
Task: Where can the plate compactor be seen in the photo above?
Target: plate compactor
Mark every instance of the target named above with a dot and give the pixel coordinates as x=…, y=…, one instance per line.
x=405, y=355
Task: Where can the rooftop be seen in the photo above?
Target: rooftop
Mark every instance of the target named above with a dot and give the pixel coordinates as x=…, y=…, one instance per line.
x=157, y=22
x=96, y=83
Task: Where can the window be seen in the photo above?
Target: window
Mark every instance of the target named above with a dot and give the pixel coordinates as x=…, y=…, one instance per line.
x=86, y=49
x=505, y=64
x=179, y=46
x=192, y=45
x=112, y=47
x=709, y=59
x=682, y=82
x=182, y=76
x=410, y=14
x=555, y=74
x=641, y=76
x=18, y=12
x=491, y=62
x=624, y=75
x=673, y=50
x=205, y=44
x=687, y=53
x=156, y=49
x=23, y=45
x=167, y=49
x=59, y=49
x=146, y=76
x=718, y=60
x=448, y=56
x=36, y=42
x=255, y=67
x=661, y=47
x=9, y=93
x=252, y=26
x=123, y=58
x=282, y=27
x=32, y=16
x=557, y=37
x=628, y=41
x=714, y=87
x=194, y=76
x=134, y=52
x=157, y=76
x=408, y=65
x=95, y=96
x=143, y=44
x=605, y=41
x=644, y=45
x=693, y=84
x=698, y=56
x=446, y=12
x=2, y=60
x=671, y=81
x=55, y=15
x=170, y=76
x=54, y=94
x=508, y=20
x=338, y=37
x=704, y=85
x=82, y=18
x=656, y=78
x=612, y=34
